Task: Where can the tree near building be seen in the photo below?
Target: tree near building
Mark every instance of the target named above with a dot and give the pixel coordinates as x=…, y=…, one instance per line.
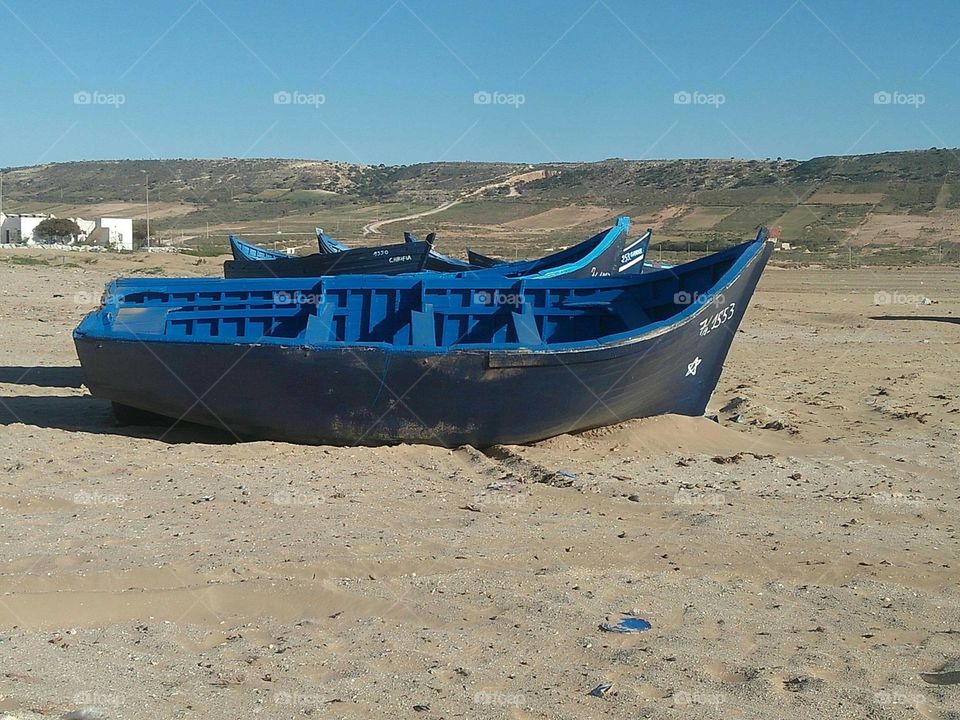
x=56, y=228
x=139, y=233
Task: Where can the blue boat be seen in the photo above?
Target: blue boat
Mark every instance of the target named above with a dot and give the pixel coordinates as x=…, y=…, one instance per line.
x=599, y=256
x=631, y=256
x=436, y=262
x=328, y=244
x=606, y=253
x=634, y=256
x=384, y=260
x=431, y=358
x=596, y=257
x=243, y=250
x=483, y=261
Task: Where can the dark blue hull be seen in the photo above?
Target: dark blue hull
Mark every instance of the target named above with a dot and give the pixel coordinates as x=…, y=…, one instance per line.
x=631, y=260
x=372, y=396
x=625, y=257
x=603, y=255
x=436, y=262
x=483, y=261
x=386, y=260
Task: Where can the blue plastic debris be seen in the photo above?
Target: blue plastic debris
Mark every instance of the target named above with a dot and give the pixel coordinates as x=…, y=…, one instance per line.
x=601, y=690
x=627, y=625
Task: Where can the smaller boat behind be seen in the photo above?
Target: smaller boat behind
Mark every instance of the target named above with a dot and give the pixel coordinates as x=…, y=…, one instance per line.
x=606, y=254
x=385, y=260
x=436, y=261
x=484, y=261
x=597, y=256
x=633, y=256
x=328, y=244
x=243, y=250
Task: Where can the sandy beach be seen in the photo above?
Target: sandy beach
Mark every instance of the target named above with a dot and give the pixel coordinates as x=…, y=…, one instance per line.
x=796, y=558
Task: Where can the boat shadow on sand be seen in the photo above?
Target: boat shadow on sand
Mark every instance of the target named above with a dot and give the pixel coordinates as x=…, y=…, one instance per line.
x=83, y=413
x=924, y=318
x=59, y=377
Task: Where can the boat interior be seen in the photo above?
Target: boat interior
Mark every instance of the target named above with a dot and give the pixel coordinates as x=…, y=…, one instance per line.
x=414, y=311
x=243, y=250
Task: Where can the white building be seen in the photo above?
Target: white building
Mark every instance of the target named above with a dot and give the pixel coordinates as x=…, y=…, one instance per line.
x=19, y=228
x=86, y=227
x=116, y=233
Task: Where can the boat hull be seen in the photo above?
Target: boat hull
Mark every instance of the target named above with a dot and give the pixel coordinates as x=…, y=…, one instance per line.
x=386, y=260
x=483, y=261
x=245, y=251
x=441, y=263
x=615, y=257
x=373, y=396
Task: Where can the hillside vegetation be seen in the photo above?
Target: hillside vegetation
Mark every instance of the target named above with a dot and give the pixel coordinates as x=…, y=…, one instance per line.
x=901, y=202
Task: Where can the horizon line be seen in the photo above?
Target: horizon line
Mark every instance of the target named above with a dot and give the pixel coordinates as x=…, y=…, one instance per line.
x=479, y=162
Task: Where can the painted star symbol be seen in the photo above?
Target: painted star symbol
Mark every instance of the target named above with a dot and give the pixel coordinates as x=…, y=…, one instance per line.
x=692, y=367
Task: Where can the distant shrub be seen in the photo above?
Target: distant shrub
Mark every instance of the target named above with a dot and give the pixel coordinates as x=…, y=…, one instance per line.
x=56, y=228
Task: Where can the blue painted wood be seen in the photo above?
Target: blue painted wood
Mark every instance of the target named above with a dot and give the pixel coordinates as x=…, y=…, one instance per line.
x=483, y=261
x=525, y=326
x=320, y=326
x=424, y=327
x=477, y=359
x=632, y=259
x=386, y=260
x=243, y=250
x=606, y=253
x=436, y=262
x=633, y=255
x=328, y=244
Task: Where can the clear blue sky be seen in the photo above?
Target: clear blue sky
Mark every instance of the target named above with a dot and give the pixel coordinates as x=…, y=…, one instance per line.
x=398, y=79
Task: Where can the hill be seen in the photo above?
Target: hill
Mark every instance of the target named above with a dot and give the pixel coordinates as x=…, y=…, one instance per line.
x=905, y=203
